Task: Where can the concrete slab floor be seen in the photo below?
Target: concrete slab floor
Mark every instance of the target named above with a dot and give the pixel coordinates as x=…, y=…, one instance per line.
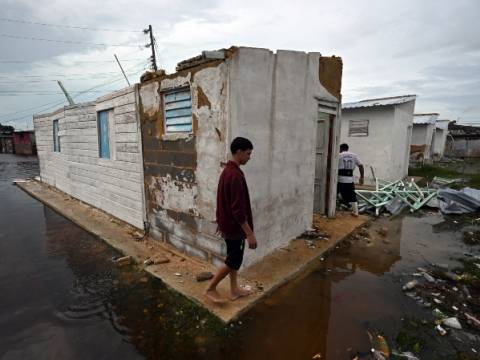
x=179, y=273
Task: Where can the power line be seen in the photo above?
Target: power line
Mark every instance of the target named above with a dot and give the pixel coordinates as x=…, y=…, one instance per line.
x=67, y=26
x=58, y=103
x=66, y=41
x=74, y=61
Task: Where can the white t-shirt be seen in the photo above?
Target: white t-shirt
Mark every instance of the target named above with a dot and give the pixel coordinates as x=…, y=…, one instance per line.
x=348, y=161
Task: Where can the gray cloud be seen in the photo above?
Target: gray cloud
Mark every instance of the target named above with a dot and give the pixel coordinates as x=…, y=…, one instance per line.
x=429, y=48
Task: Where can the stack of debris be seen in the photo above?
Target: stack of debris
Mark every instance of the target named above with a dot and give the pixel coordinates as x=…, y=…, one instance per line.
x=395, y=196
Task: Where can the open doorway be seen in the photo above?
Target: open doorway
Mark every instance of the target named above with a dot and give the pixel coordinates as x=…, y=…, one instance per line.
x=324, y=192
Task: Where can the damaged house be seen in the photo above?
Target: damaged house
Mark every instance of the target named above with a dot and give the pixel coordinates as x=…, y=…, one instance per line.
x=423, y=137
x=379, y=131
x=463, y=141
x=286, y=103
x=152, y=154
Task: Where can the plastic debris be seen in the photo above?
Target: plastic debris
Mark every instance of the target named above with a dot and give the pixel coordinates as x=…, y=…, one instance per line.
x=410, y=285
x=317, y=356
x=452, y=322
x=122, y=261
x=177, y=274
x=441, y=330
x=148, y=262
x=429, y=278
x=473, y=320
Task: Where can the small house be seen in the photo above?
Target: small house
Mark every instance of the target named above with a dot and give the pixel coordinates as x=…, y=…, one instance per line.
x=286, y=102
x=24, y=142
x=423, y=137
x=152, y=154
x=6, y=139
x=379, y=132
x=92, y=151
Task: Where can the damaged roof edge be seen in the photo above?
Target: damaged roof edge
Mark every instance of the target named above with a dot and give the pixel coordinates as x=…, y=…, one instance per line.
x=386, y=101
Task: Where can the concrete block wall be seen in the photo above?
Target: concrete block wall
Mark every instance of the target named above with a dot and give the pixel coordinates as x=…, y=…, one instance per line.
x=114, y=185
x=182, y=170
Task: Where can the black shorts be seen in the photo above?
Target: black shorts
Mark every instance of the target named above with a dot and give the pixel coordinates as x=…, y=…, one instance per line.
x=235, y=247
x=347, y=191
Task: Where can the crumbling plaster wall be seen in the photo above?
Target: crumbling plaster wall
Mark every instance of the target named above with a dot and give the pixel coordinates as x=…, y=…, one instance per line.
x=182, y=170
x=273, y=102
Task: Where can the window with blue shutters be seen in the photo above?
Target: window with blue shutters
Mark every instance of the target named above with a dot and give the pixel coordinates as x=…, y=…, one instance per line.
x=56, y=139
x=103, y=138
x=178, y=111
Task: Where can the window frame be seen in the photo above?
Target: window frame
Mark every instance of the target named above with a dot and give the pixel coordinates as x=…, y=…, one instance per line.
x=358, y=132
x=99, y=133
x=56, y=137
x=173, y=91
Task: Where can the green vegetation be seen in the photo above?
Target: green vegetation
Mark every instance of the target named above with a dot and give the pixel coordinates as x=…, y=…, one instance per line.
x=428, y=172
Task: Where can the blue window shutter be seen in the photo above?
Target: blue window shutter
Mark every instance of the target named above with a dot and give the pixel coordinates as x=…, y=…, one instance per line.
x=103, y=134
x=178, y=111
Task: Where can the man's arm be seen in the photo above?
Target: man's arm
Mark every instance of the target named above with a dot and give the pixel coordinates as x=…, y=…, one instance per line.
x=251, y=239
x=362, y=172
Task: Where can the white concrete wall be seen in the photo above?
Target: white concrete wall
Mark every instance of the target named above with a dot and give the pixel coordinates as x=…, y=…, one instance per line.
x=376, y=149
x=114, y=185
x=272, y=102
x=401, y=140
x=440, y=141
x=423, y=135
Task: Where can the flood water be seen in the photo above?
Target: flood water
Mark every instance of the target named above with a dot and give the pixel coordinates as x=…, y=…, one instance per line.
x=63, y=298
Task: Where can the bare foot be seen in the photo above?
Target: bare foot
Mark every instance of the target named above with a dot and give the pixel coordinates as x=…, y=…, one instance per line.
x=215, y=297
x=238, y=293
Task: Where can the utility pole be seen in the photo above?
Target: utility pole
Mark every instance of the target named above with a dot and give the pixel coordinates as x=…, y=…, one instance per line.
x=123, y=72
x=152, y=46
x=67, y=95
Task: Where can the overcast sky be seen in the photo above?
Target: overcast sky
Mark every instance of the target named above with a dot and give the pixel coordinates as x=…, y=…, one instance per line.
x=428, y=48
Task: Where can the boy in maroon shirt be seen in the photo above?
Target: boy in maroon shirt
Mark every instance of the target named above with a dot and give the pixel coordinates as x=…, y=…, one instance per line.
x=234, y=218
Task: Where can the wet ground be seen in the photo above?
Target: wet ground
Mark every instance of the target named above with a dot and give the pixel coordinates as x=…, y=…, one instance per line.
x=62, y=297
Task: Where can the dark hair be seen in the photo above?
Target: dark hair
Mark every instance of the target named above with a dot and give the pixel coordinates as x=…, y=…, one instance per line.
x=344, y=147
x=240, y=143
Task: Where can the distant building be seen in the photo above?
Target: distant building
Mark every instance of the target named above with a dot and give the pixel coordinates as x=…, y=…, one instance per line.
x=379, y=131
x=6, y=139
x=423, y=139
x=24, y=142
x=463, y=141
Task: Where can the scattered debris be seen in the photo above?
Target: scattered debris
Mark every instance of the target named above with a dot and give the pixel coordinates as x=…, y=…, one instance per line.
x=452, y=322
x=204, y=276
x=462, y=201
x=177, y=274
x=148, y=262
x=122, y=261
x=441, y=330
x=317, y=356
x=473, y=320
x=410, y=285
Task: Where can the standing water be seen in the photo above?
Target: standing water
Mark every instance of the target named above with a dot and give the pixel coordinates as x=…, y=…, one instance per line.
x=63, y=298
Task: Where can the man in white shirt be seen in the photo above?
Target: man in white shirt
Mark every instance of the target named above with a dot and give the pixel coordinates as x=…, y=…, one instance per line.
x=347, y=161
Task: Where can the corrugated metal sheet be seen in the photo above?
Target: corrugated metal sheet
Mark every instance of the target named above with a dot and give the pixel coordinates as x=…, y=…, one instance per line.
x=387, y=101
x=423, y=119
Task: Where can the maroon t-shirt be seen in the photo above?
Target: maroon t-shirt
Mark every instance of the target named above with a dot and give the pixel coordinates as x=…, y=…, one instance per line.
x=233, y=202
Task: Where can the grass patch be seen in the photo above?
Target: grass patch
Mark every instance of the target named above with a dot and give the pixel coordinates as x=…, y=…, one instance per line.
x=428, y=172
